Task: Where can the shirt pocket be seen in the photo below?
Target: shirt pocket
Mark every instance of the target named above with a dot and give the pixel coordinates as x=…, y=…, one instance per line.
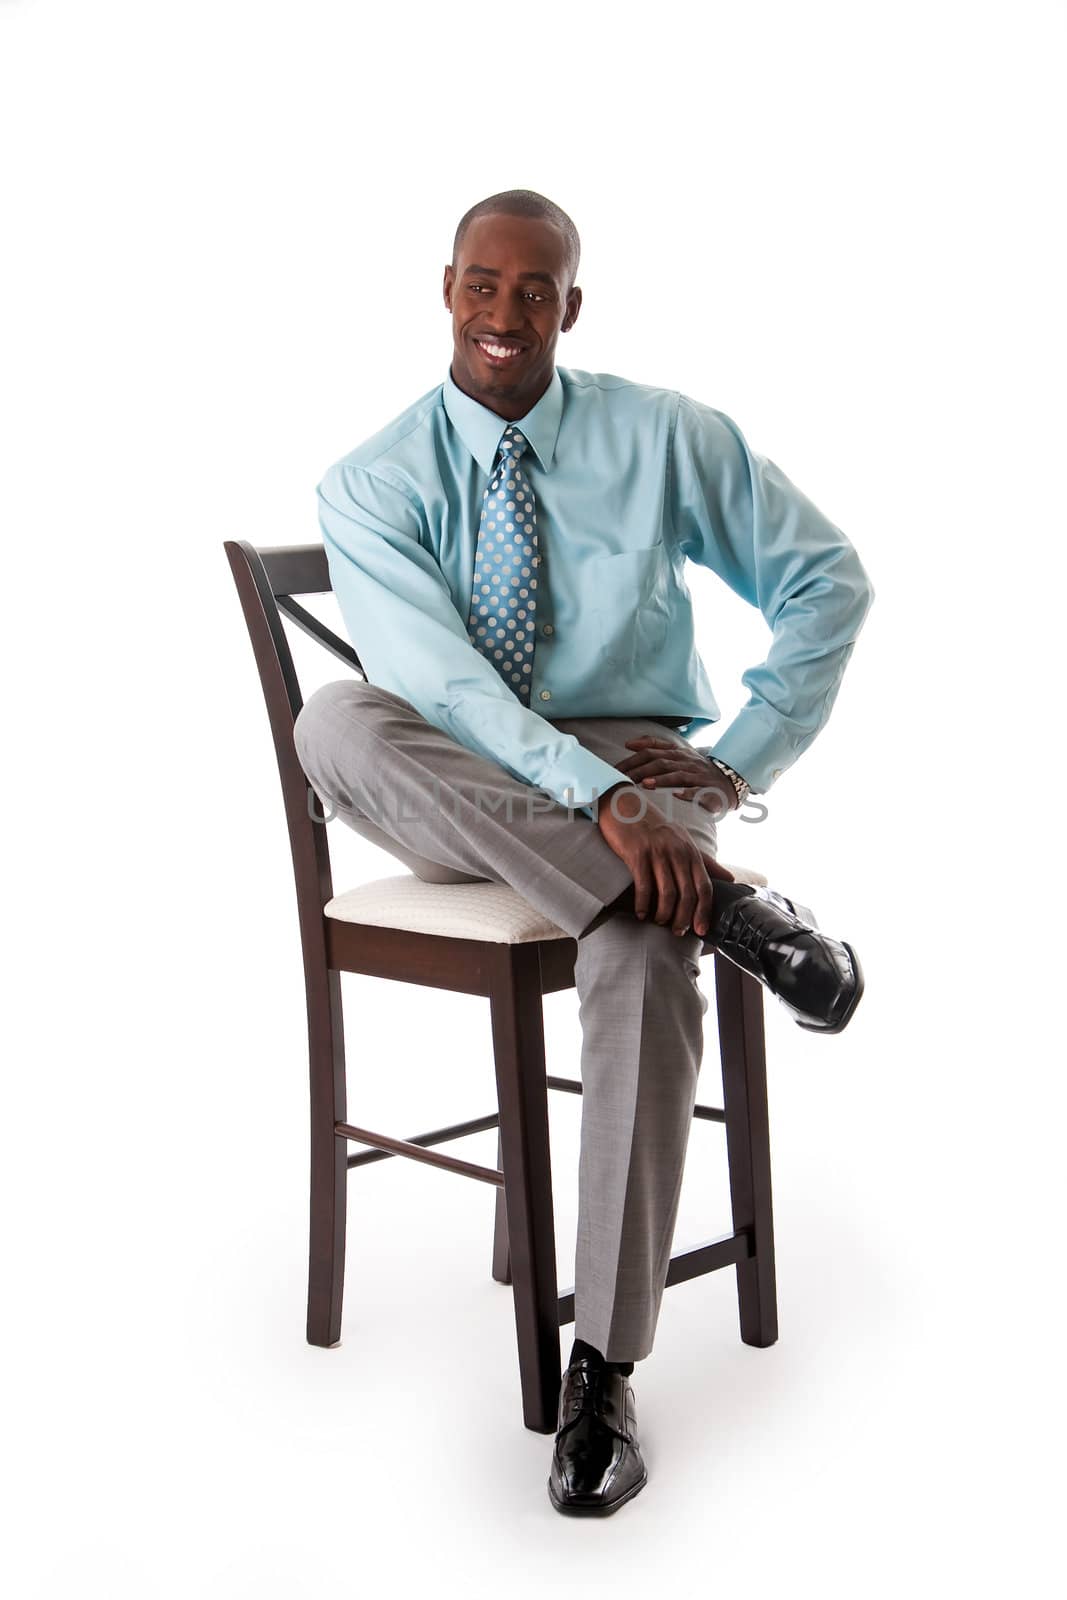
x=629, y=596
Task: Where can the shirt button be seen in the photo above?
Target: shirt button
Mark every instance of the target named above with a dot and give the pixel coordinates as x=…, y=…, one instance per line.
x=777, y=773
x=546, y=694
x=548, y=628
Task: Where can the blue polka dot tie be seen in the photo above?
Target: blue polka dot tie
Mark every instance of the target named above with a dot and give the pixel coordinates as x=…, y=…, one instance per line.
x=504, y=597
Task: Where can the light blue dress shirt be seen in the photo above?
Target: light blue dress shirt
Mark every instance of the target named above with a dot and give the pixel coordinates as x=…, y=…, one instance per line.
x=631, y=482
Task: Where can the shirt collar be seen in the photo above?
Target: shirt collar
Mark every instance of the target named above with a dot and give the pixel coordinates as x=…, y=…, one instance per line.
x=481, y=429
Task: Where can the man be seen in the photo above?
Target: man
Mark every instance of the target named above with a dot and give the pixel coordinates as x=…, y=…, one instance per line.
x=508, y=558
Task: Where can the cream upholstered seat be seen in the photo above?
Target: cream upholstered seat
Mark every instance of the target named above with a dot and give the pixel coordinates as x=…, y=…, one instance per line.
x=491, y=911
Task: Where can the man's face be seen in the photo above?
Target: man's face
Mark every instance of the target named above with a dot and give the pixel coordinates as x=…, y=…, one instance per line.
x=508, y=289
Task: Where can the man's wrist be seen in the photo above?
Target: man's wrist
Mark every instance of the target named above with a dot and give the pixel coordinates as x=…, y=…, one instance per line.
x=734, y=778
x=601, y=799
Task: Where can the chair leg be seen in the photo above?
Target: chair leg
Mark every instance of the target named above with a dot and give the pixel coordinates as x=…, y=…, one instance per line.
x=329, y=1158
x=522, y=1092
x=501, y=1248
x=739, y=1001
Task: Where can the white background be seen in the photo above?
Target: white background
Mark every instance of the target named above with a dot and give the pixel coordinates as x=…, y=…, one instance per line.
x=225, y=228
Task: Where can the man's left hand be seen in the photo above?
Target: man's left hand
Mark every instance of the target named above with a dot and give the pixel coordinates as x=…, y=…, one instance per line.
x=663, y=764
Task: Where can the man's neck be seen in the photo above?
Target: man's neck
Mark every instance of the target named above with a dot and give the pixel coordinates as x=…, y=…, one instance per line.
x=508, y=411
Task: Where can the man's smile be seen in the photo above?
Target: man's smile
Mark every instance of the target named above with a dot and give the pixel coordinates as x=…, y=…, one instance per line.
x=499, y=352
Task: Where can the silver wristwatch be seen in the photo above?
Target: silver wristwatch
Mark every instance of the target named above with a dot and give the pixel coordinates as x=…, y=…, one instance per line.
x=739, y=783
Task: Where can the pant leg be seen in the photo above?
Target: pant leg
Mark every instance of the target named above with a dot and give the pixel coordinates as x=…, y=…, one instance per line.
x=421, y=866
x=640, y=1004
x=642, y=1011
x=370, y=755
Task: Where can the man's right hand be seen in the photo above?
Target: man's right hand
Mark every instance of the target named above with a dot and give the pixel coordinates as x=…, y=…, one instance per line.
x=672, y=875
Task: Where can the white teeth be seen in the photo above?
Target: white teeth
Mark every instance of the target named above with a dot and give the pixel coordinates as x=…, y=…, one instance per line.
x=497, y=349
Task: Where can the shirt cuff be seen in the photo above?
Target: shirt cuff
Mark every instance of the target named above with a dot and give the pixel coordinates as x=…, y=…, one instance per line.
x=756, y=747
x=592, y=811
x=581, y=778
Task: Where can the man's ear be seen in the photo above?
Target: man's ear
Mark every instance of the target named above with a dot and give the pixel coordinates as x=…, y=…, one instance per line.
x=574, y=305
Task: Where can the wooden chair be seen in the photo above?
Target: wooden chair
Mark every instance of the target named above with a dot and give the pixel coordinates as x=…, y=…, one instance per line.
x=510, y=954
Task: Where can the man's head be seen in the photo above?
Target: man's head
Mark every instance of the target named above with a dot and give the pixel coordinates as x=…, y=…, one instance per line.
x=511, y=283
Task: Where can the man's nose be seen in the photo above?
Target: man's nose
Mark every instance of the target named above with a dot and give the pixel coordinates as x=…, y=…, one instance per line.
x=510, y=310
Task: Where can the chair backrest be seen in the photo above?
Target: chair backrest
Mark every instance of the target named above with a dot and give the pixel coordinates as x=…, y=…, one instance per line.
x=267, y=580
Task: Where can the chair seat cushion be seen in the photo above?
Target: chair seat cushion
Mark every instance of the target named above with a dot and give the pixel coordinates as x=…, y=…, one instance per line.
x=491, y=911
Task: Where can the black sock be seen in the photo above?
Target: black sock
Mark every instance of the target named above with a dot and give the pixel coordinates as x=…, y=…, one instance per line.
x=580, y=1348
x=724, y=897
x=621, y=902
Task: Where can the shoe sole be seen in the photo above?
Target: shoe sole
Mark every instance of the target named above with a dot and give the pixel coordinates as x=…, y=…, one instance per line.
x=842, y=1022
x=604, y=1510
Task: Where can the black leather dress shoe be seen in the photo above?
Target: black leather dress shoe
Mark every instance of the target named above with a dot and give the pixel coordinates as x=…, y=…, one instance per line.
x=818, y=979
x=596, y=1461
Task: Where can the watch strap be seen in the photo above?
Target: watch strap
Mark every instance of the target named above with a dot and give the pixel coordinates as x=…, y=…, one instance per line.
x=740, y=784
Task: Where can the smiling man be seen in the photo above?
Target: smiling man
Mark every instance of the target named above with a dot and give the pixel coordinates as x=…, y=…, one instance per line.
x=508, y=555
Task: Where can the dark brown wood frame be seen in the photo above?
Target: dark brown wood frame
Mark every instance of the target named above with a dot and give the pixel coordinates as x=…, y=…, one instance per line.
x=513, y=978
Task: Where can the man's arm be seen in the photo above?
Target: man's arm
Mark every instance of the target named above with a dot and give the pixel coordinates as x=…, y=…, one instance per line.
x=736, y=512
x=410, y=638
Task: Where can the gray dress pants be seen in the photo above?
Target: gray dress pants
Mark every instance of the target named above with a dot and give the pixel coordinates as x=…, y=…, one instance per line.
x=453, y=816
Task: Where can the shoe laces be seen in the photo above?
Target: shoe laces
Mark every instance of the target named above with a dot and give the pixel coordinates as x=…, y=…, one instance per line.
x=584, y=1389
x=745, y=931
x=586, y=1381
x=587, y=1384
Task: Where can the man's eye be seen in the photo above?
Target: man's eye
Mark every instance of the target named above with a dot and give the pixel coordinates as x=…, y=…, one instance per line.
x=475, y=287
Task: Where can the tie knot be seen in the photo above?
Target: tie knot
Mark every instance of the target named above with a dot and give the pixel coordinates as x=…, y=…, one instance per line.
x=513, y=443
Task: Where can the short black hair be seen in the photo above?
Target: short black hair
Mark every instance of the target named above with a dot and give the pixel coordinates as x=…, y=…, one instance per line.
x=524, y=203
